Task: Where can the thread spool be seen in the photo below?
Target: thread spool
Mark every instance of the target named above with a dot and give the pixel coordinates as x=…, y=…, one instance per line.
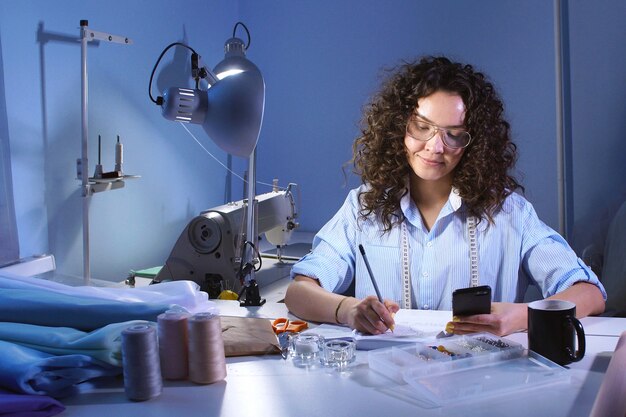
x=119, y=152
x=140, y=359
x=173, y=344
x=207, y=362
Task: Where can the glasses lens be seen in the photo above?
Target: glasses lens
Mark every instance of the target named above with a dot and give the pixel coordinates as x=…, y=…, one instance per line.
x=453, y=138
x=457, y=138
x=420, y=130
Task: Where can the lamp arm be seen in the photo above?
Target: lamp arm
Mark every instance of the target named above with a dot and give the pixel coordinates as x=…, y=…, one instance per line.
x=200, y=71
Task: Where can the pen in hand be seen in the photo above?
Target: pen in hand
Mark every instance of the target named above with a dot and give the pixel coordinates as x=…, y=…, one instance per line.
x=371, y=274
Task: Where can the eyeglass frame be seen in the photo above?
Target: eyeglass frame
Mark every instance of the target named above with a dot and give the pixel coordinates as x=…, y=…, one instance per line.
x=437, y=129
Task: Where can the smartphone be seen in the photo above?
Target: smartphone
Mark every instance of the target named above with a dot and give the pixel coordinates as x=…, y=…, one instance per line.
x=470, y=301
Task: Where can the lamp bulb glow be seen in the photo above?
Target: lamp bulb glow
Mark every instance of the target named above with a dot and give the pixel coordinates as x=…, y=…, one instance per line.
x=228, y=73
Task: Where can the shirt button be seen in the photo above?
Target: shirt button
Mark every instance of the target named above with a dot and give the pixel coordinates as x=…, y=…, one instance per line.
x=425, y=274
x=426, y=307
x=429, y=244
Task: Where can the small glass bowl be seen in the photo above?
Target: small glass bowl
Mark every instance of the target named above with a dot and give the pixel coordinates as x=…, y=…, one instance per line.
x=338, y=353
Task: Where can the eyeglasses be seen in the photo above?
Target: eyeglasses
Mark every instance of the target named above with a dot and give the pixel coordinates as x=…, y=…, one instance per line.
x=420, y=129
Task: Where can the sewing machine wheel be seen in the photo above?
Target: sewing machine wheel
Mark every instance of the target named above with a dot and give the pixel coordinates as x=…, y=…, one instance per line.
x=204, y=234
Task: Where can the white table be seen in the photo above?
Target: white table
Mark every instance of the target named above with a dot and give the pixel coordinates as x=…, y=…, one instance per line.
x=271, y=386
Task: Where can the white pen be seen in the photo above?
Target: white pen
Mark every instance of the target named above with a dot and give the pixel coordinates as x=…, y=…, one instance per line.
x=371, y=274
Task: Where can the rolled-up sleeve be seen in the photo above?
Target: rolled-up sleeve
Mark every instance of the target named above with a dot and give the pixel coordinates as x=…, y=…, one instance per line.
x=549, y=260
x=332, y=260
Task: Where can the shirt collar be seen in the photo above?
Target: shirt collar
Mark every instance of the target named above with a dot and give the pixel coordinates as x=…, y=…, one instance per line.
x=411, y=212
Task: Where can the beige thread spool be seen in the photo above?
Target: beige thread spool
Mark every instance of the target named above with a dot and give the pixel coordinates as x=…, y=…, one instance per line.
x=207, y=362
x=173, y=344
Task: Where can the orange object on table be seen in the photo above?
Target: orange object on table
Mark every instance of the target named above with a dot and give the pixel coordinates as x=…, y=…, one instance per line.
x=281, y=325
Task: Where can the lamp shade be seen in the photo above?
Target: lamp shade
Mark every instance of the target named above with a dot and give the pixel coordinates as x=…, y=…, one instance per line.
x=231, y=109
x=235, y=106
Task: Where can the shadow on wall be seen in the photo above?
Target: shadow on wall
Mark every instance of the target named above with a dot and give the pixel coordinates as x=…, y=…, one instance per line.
x=53, y=198
x=613, y=274
x=590, y=232
x=177, y=72
x=43, y=38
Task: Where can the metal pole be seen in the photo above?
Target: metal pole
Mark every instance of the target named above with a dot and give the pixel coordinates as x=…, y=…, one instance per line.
x=87, y=188
x=560, y=144
x=251, y=233
x=84, y=155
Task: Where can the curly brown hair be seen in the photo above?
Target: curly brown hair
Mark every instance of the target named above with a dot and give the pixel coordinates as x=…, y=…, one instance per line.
x=380, y=156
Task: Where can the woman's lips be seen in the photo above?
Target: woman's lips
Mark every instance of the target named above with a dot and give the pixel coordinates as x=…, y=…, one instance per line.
x=430, y=162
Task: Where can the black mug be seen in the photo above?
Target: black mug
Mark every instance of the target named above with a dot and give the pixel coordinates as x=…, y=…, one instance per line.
x=553, y=330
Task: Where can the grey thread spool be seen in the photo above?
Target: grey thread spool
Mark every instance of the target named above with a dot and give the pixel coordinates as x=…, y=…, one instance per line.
x=173, y=344
x=207, y=362
x=140, y=358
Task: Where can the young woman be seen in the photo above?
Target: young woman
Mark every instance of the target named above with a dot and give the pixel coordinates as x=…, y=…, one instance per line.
x=437, y=211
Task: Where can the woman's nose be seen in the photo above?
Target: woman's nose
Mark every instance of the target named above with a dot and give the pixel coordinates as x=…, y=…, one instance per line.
x=435, y=144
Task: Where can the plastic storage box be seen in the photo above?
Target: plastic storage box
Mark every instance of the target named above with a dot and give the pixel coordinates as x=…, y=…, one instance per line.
x=464, y=368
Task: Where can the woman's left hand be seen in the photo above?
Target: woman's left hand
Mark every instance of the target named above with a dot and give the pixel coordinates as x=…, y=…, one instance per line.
x=505, y=318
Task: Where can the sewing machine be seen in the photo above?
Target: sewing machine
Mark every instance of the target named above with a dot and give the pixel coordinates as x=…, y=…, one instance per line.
x=209, y=250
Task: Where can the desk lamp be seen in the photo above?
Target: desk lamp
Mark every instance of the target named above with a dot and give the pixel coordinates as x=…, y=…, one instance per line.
x=230, y=111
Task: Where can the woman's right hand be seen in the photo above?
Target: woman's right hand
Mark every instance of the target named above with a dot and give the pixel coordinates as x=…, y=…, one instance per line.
x=369, y=315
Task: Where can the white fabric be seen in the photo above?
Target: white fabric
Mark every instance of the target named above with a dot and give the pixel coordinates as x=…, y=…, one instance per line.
x=185, y=294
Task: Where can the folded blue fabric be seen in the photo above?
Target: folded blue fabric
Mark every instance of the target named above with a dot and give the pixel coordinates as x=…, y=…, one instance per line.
x=20, y=405
x=104, y=344
x=46, y=308
x=29, y=371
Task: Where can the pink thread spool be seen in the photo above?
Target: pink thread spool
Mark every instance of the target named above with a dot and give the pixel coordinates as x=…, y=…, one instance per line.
x=207, y=362
x=173, y=344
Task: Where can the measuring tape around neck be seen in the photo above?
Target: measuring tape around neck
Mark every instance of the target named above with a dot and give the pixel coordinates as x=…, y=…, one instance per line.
x=406, y=271
x=406, y=268
x=471, y=235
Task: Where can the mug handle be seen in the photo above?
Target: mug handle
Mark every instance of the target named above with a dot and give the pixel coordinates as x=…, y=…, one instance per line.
x=580, y=335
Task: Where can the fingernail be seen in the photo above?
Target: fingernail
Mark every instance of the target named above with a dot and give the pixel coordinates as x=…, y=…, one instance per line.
x=456, y=319
x=449, y=328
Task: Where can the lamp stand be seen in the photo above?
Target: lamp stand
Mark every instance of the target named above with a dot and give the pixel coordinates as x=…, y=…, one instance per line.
x=249, y=295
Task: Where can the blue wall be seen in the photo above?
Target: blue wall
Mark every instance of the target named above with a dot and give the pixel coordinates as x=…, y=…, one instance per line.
x=321, y=61
x=9, y=244
x=597, y=187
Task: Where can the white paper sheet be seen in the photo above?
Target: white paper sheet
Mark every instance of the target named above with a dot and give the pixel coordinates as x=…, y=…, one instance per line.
x=411, y=326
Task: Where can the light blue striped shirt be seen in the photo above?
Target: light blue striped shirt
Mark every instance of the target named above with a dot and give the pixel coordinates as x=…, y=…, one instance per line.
x=515, y=252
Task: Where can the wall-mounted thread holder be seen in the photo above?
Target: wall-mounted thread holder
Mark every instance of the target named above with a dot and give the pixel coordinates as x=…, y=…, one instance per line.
x=107, y=180
x=95, y=184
